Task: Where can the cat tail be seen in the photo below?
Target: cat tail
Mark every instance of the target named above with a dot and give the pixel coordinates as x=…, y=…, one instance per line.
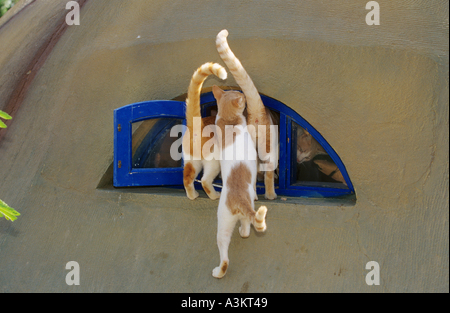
x=195, y=87
x=259, y=220
x=241, y=76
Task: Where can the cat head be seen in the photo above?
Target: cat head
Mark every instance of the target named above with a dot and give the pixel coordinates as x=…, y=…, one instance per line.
x=304, y=143
x=307, y=146
x=229, y=103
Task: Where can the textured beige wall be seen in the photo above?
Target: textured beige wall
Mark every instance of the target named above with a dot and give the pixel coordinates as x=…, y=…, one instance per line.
x=370, y=92
x=378, y=95
x=21, y=38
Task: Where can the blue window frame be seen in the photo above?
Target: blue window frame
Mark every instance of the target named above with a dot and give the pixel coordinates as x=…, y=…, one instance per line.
x=134, y=163
x=129, y=169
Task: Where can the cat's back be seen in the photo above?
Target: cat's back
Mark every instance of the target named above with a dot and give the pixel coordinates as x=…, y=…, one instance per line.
x=238, y=188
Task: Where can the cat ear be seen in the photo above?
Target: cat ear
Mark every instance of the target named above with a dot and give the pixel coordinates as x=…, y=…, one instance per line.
x=217, y=92
x=236, y=103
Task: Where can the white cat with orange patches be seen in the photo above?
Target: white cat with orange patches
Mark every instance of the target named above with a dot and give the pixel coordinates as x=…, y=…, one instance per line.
x=238, y=175
x=195, y=157
x=257, y=115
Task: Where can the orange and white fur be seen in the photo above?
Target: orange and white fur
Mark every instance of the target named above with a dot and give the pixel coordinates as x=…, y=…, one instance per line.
x=307, y=146
x=257, y=114
x=193, y=141
x=238, y=175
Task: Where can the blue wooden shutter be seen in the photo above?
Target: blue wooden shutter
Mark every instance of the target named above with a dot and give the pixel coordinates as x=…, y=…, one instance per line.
x=127, y=174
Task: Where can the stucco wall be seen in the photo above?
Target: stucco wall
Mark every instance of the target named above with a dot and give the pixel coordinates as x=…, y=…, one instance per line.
x=378, y=95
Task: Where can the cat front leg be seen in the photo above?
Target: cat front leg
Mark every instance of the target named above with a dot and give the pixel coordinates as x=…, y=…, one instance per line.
x=190, y=172
x=269, y=183
x=211, y=169
x=209, y=189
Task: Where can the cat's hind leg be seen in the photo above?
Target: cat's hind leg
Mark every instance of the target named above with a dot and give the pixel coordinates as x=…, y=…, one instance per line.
x=246, y=221
x=244, y=229
x=226, y=223
x=259, y=220
x=210, y=171
x=190, y=172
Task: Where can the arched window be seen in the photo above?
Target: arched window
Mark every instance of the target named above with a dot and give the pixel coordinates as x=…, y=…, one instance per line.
x=308, y=165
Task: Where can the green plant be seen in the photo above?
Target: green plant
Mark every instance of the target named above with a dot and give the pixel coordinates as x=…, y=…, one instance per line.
x=8, y=212
x=4, y=116
x=5, y=210
x=5, y=5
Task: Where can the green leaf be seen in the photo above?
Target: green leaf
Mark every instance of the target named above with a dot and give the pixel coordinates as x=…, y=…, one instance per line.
x=8, y=212
x=5, y=115
x=2, y=125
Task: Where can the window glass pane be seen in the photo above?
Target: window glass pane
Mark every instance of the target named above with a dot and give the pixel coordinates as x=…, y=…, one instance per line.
x=151, y=143
x=311, y=165
x=210, y=110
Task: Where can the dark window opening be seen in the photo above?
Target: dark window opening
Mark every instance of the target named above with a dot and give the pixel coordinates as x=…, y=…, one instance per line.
x=151, y=143
x=310, y=163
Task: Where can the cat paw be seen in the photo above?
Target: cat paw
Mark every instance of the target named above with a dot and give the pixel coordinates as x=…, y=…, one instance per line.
x=245, y=233
x=221, y=270
x=192, y=195
x=270, y=195
x=214, y=196
x=217, y=273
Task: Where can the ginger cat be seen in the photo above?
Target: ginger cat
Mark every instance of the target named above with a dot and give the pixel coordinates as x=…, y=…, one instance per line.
x=193, y=141
x=309, y=149
x=326, y=165
x=238, y=175
x=307, y=146
x=257, y=114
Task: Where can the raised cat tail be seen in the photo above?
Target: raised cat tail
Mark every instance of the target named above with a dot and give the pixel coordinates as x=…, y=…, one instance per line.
x=234, y=65
x=259, y=220
x=195, y=86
